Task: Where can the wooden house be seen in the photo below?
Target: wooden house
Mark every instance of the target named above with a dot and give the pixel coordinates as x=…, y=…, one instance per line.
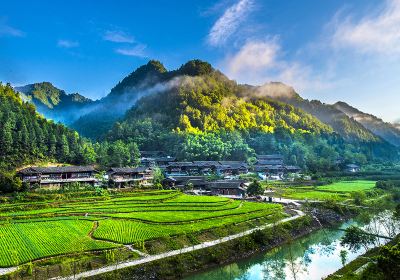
x=58, y=176
x=122, y=177
x=228, y=187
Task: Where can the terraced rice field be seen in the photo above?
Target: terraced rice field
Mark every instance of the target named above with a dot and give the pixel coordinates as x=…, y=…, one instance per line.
x=23, y=242
x=43, y=229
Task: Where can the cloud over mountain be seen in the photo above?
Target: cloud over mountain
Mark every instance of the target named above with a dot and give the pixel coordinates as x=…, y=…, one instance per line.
x=376, y=33
x=229, y=22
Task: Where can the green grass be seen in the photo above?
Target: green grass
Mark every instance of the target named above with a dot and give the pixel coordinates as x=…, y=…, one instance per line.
x=338, y=191
x=37, y=230
x=23, y=242
x=314, y=195
x=349, y=186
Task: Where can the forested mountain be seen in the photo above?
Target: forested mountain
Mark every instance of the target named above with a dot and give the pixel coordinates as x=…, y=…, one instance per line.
x=387, y=131
x=196, y=112
x=347, y=127
x=26, y=137
x=54, y=103
x=147, y=79
x=207, y=116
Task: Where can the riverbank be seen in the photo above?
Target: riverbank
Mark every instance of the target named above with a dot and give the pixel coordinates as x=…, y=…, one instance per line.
x=183, y=265
x=362, y=265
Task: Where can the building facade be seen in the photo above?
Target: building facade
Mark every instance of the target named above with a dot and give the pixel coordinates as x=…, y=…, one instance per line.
x=126, y=177
x=57, y=176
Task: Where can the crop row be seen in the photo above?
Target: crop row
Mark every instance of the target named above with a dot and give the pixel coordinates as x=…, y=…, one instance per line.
x=187, y=216
x=128, y=232
x=24, y=242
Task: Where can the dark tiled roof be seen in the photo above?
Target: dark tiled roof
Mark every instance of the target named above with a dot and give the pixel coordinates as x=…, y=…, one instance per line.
x=186, y=178
x=127, y=169
x=58, y=169
x=206, y=163
x=181, y=163
x=233, y=164
x=269, y=162
x=227, y=184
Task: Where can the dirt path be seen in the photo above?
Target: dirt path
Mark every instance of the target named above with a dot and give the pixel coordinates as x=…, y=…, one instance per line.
x=151, y=258
x=95, y=226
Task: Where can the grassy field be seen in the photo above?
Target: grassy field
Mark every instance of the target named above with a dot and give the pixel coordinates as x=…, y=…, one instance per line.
x=338, y=191
x=35, y=230
x=348, y=186
x=314, y=195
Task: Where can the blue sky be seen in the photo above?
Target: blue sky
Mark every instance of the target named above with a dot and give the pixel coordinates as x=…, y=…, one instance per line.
x=328, y=50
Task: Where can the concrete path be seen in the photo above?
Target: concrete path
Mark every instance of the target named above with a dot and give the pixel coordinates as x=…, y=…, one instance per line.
x=140, y=253
x=4, y=271
x=151, y=258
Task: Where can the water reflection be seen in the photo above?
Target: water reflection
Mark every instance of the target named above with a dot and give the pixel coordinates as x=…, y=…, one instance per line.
x=310, y=257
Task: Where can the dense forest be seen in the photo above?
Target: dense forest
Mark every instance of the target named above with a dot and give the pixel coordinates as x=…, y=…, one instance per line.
x=193, y=113
x=26, y=138
x=205, y=116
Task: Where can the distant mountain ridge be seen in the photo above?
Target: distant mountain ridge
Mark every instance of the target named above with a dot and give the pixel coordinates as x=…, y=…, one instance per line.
x=52, y=102
x=387, y=131
x=95, y=118
x=347, y=127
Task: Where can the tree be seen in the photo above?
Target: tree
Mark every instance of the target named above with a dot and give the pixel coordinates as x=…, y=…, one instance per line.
x=255, y=188
x=9, y=183
x=358, y=197
x=389, y=261
x=343, y=256
x=118, y=154
x=355, y=238
x=6, y=138
x=158, y=176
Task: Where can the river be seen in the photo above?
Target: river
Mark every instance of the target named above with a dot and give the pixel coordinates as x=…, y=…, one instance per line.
x=310, y=257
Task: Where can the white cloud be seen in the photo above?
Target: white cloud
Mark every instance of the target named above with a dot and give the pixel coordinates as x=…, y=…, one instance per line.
x=379, y=33
x=229, y=22
x=261, y=61
x=67, y=44
x=6, y=30
x=118, y=37
x=138, y=50
x=255, y=55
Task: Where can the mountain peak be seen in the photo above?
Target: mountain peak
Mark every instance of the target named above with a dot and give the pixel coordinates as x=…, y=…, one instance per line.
x=146, y=74
x=155, y=65
x=45, y=92
x=195, y=67
x=276, y=90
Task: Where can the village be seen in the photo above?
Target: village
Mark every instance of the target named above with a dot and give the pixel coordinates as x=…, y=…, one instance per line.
x=223, y=178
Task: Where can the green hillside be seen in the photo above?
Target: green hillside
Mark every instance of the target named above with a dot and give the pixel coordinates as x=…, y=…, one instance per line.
x=54, y=103
x=207, y=116
x=387, y=131
x=26, y=137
